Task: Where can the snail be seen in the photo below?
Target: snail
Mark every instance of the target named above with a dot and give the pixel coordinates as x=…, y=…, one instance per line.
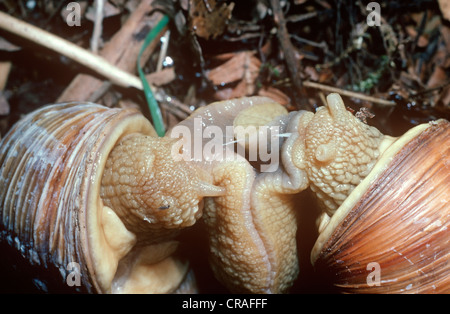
x=121, y=196
x=377, y=207
x=385, y=202
x=93, y=185
x=251, y=229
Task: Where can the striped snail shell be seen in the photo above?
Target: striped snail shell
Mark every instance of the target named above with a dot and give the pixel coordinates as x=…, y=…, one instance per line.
x=52, y=207
x=384, y=226
x=86, y=184
x=391, y=235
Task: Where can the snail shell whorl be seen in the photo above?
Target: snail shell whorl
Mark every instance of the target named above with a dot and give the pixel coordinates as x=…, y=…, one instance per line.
x=50, y=169
x=397, y=217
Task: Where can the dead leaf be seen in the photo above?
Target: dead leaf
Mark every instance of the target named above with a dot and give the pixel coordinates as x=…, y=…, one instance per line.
x=163, y=77
x=223, y=56
x=437, y=77
x=108, y=11
x=441, y=57
x=422, y=41
x=128, y=104
x=228, y=93
x=208, y=19
x=312, y=73
x=445, y=33
x=275, y=94
x=243, y=68
x=243, y=65
x=325, y=75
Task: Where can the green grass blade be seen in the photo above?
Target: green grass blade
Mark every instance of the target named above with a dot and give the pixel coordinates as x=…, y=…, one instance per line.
x=149, y=96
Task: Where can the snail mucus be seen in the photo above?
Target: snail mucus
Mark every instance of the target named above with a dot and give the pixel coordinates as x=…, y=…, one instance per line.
x=85, y=183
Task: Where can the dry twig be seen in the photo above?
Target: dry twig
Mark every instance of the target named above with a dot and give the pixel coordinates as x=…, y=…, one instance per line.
x=97, y=32
x=70, y=50
x=122, y=50
x=348, y=93
x=293, y=66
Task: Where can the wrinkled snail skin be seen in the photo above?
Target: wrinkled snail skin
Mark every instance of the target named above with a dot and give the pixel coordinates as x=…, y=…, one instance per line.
x=93, y=185
x=393, y=210
x=337, y=151
x=53, y=211
x=338, y=157
x=149, y=190
x=252, y=228
x=403, y=224
x=276, y=214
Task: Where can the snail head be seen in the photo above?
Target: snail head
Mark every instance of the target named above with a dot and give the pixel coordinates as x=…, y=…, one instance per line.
x=148, y=189
x=337, y=151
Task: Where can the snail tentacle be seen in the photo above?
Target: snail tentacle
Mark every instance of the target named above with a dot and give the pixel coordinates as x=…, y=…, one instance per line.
x=51, y=165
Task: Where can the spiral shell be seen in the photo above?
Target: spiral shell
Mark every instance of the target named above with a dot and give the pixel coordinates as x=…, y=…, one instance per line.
x=397, y=218
x=51, y=164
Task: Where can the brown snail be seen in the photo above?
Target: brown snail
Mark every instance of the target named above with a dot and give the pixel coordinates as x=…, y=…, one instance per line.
x=385, y=201
x=252, y=227
x=377, y=206
x=118, y=221
x=101, y=176
x=400, y=223
x=63, y=202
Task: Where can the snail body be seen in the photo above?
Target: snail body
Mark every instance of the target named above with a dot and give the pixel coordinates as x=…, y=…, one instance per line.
x=393, y=212
x=397, y=219
x=93, y=185
x=252, y=227
x=384, y=200
x=54, y=210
